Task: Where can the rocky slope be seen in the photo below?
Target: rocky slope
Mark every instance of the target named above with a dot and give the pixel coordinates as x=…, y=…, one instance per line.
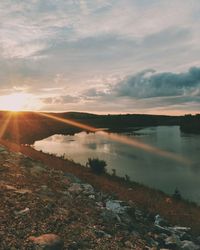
x=44, y=208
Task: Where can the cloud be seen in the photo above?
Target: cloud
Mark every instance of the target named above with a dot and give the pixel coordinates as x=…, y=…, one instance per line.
x=149, y=84
x=57, y=100
x=150, y=92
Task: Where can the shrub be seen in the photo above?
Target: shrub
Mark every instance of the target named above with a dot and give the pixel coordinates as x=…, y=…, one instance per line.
x=97, y=166
x=177, y=194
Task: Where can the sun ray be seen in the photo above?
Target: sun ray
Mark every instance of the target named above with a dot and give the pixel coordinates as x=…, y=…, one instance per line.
x=122, y=139
x=15, y=128
x=5, y=123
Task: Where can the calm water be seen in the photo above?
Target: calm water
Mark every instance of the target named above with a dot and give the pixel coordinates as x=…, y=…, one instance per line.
x=143, y=167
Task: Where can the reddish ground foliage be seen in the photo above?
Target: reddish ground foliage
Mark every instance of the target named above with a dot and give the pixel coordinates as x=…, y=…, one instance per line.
x=176, y=212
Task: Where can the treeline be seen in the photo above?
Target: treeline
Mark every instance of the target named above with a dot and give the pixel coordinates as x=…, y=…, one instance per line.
x=26, y=127
x=190, y=123
x=123, y=122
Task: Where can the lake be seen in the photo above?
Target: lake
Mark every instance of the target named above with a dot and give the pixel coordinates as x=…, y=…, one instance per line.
x=149, y=169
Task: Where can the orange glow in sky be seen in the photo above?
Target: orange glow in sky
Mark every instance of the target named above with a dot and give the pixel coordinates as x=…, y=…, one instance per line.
x=18, y=102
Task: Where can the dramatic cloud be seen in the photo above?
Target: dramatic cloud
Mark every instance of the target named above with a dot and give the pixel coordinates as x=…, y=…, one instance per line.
x=150, y=84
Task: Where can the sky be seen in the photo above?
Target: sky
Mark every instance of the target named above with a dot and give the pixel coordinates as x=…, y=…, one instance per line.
x=100, y=56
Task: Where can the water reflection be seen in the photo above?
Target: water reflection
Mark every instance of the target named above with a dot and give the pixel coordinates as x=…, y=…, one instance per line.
x=141, y=166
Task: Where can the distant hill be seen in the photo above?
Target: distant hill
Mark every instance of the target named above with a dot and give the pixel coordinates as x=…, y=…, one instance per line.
x=26, y=127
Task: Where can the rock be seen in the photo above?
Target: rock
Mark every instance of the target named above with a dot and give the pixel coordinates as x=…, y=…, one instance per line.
x=23, y=191
x=87, y=189
x=47, y=242
x=22, y=212
x=101, y=234
x=160, y=221
x=163, y=230
x=99, y=204
x=81, y=188
x=91, y=196
x=75, y=188
x=189, y=245
x=181, y=229
x=116, y=206
x=173, y=242
x=128, y=244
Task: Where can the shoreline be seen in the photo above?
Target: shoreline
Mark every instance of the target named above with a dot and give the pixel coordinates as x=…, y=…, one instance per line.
x=152, y=201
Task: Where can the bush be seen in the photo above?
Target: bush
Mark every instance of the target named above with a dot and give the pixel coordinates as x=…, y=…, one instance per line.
x=177, y=194
x=97, y=166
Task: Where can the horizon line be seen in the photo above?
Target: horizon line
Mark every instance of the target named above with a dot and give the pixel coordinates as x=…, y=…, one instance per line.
x=86, y=112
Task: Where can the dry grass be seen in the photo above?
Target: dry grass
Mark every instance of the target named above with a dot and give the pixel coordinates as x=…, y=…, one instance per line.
x=176, y=212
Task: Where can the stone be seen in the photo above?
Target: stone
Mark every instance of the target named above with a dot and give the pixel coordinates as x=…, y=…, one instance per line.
x=173, y=242
x=101, y=234
x=182, y=229
x=163, y=230
x=47, y=242
x=87, y=189
x=160, y=221
x=81, y=188
x=22, y=212
x=23, y=191
x=116, y=206
x=75, y=188
x=91, y=196
x=189, y=245
x=128, y=244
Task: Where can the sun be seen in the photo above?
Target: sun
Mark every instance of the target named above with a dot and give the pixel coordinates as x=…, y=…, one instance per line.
x=16, y=102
